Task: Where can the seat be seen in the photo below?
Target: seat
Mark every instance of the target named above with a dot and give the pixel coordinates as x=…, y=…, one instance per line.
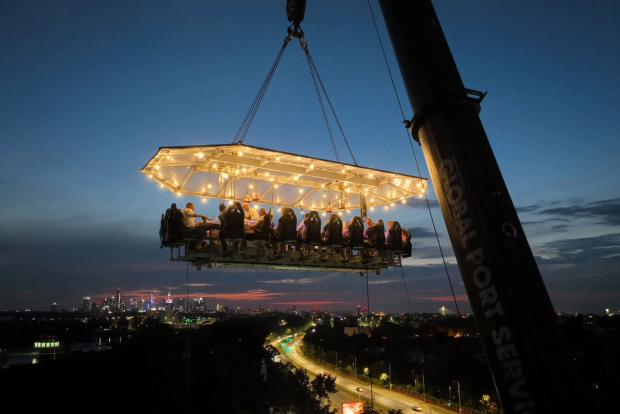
x=356, y=233
x=313, y=229
x=173, y=232
x=395, y=238
x=407, y=246
x=233, y=230
x=334, y=232
x=287, y=227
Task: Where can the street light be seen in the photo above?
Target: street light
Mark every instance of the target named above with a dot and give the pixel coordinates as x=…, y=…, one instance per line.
x=355, y=365
x=459, y=392
x=390, y=371
x=423, y=385
x=449, y=395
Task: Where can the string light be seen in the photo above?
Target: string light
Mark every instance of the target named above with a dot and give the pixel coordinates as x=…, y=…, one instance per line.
x=200, y=155
x=240, y=153
x=168, y=157
x=209, y=186
x=161, y=185
x=150, y=175
x=204, y=200
x=244, y=169
x=301, y=191
x=157, y=167
x=311, y=167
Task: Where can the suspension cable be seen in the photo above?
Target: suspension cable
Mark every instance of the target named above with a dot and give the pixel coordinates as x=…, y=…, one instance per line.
x=318, y=95
x=329, y=102
x=372, y=403
x=414, y=157
x=247, y=121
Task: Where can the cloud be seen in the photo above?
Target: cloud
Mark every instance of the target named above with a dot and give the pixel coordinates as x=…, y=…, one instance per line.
x=304, y=281
x=251, y=295
x=383, y=281
x=605, y=211
x=311, y=303
x=199, y=284
x=582, y=250
x=446, y=298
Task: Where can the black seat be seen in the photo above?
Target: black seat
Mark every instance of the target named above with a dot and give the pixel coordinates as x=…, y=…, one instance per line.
x=233, y=229
x=313, y=229
x=173, y=232
x=287, y=226
x=334, y=231
x=356, y=233
x=407, y=246
x=395, y=238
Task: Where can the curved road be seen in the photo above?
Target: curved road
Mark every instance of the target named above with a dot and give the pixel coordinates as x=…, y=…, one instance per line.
x=387, y=398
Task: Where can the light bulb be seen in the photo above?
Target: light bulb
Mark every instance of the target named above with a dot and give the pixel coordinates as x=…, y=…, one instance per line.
x=209, y=186
x=267, y=174
x=322, y=185
x=251, y=185
x=404, y=201
x=240, y=153
x=372, y=209
x=157, y=167
x=370, y=175
x=276, y=185
x=278, y=159
x=214, y=165
x=150, y=175
x=200, y=155
x=244, y=169
x=311, y=166
x=301, y=191
x=168, y=157
x=161, y=185
x=392, y=204
x=295, y=178
x=204, y=200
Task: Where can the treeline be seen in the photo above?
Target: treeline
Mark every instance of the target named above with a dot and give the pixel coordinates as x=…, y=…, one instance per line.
x=213, y=369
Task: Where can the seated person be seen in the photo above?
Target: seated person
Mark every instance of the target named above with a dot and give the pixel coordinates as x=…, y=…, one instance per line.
x=372, y=232
x=325, y=231
x=256, y=230
x=189, y=214
x=250, y=213
x=222, y=219
x=346, y=232
x=387, y=230
x=301, y=229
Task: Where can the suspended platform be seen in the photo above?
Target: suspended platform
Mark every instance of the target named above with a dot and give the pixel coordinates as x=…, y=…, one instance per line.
x=282, y=181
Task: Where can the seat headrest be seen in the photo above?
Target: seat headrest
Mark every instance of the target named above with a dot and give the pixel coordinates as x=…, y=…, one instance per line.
x=173, y=207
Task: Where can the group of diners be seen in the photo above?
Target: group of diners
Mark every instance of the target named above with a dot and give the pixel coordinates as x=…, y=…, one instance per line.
x=241, y=222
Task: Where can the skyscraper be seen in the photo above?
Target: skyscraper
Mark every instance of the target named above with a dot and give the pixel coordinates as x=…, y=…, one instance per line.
x=53, y=307
x=86, y=304
x=118, y=299
x=359, y=311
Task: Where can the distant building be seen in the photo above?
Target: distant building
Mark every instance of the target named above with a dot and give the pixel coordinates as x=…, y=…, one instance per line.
x=590, y=322
x=53, y=307
x=118, y=299
x=354, y=330
x=293, y=310
x=133, y=304
x=358, y=311
x=261, y=309
x=443, y=311
x=86, y=304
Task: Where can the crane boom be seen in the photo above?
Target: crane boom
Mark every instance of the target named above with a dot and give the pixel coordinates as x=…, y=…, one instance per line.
x=525, y=348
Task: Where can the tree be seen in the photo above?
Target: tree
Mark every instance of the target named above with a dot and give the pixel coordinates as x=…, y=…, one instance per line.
x=366, y=371
x=393, y=411
x=384, y=378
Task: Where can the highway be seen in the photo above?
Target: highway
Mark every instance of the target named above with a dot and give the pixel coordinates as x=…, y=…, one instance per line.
x=346, y=386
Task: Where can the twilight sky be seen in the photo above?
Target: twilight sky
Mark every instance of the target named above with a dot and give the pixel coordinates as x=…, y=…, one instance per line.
x=90, y=89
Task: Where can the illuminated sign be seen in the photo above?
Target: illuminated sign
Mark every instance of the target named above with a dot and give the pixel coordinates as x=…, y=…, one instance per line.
x=353, y=407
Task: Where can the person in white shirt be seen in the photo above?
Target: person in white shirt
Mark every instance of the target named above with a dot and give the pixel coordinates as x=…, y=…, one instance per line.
x=250, y=213
x=188, y=216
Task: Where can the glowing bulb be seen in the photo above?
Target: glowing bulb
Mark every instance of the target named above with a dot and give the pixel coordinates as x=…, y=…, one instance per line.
x=224, y=175
x=343, y=170
x=298, y=158
x=204, y=200
x=324, y=214
x=179, y=193
x=423, y=190
x=200, y=155
x=348, y=211
x=322, y=185
x=209, y=186
x=276, y=186
x=157, y=167
x=370, y=175
x=295, y=178
x=340, y=213
x=278, y=159
x=240, y=153
x=267, y=174
x=372, y=209
x=279, y=209
x=420, y=195
x=251, y=186
x=404, y=201
x=236, y=171
x=244, y=169
x=168, y=157
x=161, y=185
x=324, y=196
x=385, y=208
x=392, y=204
x=150, y=175
x=301, y=191
x=311, y=166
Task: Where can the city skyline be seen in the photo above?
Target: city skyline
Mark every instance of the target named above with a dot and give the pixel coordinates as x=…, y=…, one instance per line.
x=82, y=113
